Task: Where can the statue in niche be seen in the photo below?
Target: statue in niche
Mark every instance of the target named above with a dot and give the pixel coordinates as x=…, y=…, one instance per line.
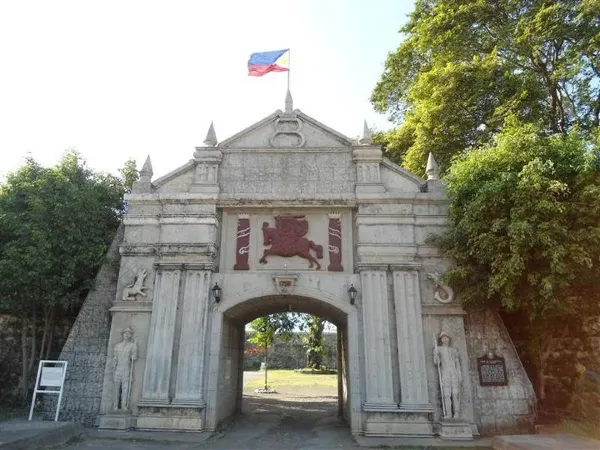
x=137, y=287
x=446, y=359
x=124, y=354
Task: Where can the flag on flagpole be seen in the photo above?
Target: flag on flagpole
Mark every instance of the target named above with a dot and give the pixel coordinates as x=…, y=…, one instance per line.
x=262, y=63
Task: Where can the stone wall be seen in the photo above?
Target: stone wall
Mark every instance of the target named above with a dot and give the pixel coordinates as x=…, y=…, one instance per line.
x=498, y=409
x=87, y=344
x=291, y=354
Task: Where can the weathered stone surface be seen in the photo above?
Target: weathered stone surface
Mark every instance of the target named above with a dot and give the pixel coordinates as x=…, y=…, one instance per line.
x=287, y=176
x=498, y=408
x=86, y=346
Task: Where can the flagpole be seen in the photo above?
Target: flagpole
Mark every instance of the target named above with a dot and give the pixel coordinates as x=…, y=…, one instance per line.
x=289, y=67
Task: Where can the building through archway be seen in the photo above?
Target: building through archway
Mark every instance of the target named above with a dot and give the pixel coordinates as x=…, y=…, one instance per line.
x=291, y=212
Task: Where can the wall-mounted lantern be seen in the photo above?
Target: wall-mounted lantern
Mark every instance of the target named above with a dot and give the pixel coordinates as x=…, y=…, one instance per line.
x=352, y=294
x=216, y=290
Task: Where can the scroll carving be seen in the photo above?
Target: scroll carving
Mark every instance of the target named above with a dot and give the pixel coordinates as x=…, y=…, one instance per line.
x=243, y=243
x=335, y=243
x=443, y=292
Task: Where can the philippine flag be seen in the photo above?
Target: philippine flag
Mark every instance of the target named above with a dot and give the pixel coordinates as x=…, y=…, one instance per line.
x=262, y=63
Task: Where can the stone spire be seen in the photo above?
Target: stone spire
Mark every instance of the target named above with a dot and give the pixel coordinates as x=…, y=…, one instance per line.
x=367, y=137
x=211, y=136
x=432, y=169
x=146, y=172
x=289, y=104
x=144, y=182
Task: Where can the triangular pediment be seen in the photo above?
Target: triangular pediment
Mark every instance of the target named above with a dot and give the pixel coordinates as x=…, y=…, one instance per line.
x=287, y=130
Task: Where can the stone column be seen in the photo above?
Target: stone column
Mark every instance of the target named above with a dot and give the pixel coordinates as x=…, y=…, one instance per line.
x=157, y=375
x=411, y=348
x=190, y=361
x=378, y=353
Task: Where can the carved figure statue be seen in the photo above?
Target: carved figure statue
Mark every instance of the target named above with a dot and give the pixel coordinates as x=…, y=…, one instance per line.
x=446, y=359
x=137, y=287
x=124, y=354
x=287, y=239
x=443, y=292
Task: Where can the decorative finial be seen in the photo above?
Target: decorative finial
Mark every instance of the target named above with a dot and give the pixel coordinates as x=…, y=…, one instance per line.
x=146, y=171
x=367, y=137
x=211, y=136
x=289, y=104
x=432, y=169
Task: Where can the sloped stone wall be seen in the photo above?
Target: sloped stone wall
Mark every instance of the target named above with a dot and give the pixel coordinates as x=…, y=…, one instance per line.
x=87, y=344
x=498, y=409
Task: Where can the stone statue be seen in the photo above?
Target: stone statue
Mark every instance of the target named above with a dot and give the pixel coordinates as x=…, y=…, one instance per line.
x=446, y=359
x=124, y=354
x=137, y=288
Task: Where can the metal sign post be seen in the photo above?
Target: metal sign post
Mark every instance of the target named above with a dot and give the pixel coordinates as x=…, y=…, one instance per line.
x=51, y=374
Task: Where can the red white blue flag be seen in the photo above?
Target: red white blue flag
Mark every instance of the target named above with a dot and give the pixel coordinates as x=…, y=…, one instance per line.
x=262, y=63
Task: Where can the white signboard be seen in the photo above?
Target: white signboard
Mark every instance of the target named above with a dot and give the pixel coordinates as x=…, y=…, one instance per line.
x=51, y=374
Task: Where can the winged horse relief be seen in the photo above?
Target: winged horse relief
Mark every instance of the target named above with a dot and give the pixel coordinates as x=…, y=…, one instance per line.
x=287, y=239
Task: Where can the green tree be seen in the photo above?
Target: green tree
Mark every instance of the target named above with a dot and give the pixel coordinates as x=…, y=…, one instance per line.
x=315, y=349
x=524, y=231
x=55, y=227
x=267, y=328
x=466, y=65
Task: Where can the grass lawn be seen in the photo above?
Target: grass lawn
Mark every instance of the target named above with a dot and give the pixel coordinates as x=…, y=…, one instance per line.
x=289, y=380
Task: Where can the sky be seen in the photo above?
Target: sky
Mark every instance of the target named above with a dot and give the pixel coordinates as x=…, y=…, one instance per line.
x=125, y=79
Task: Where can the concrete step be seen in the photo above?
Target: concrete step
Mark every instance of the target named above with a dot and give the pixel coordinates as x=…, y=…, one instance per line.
x=36, y=434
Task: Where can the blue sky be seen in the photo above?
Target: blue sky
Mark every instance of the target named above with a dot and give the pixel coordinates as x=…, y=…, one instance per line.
x=120, y=79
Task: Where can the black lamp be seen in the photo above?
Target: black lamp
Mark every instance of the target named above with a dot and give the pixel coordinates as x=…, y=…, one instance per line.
x=352, y=294
x=216, y=292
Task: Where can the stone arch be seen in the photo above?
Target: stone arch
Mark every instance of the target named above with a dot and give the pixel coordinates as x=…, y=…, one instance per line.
x=243, y=306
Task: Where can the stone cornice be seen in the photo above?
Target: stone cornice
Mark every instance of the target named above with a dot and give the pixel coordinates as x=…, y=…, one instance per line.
x=131, y=306
x=207, y=250
x=185, y=265
x=375, y=267
x=442, y=310
x=405, y=266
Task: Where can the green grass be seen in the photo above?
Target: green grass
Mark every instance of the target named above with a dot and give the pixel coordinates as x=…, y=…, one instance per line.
x=278, y=379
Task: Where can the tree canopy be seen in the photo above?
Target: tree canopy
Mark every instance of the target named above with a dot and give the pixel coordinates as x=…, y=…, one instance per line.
x=524, y=229
x=267, y=328
x=465, y=66
x=55, y=227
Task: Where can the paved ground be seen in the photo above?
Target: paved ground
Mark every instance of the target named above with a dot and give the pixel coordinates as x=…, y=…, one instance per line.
x=268, y=422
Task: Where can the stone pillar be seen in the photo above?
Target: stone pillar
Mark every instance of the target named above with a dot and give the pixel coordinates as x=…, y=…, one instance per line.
x=157, y=375
x=411, y=347
x=368, y=173
x=190, y=361
x=378, y=353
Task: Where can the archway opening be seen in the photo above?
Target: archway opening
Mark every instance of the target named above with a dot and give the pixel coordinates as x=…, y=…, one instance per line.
x=295, y=400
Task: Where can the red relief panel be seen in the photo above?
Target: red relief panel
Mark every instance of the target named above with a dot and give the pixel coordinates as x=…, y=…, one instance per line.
x=287, y=240
x=335, y=244
x=243, y=243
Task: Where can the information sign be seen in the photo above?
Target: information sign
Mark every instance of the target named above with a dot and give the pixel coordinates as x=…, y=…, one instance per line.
x=51, y=374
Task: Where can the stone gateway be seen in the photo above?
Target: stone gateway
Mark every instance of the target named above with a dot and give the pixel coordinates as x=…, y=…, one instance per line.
x=288, y=214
